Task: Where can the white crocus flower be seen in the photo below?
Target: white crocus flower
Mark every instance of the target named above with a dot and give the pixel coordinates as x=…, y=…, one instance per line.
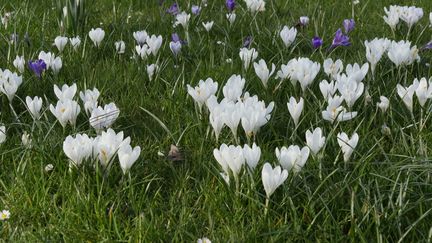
x=295, y=109
x=106, y=145
x=263, y=72
x=120, y=47
x=2, y=134
x=347, y=145
x=411, y=15
x=9, y=83
x=182, y=19
x=383, y=104
x=128, y=156
x=349, y=89
x=140, y=37
x=424, y=90
x=231, y=17
x=357, y=73
x=175, y=47
x=328, y=89
x=143, y=51
x=272, y=178
x=104, y=117
x=233, y=88
x=252, y=155
x=208, y=25
x=66, y=111
x=151, y=70
x=90, y=99
x=75, y=42
x=315, y=140
x=56, y=65
x=66, y=92
x=288, y=35
x=247, y=56
x=97, y=35
x=292, y=157
x=60, y=42
x=375, y=50
x=47, y=57
x=406, y=94
x=78, y=148
x=202, y=92
x=392, y=16
x=255, y=5
x=333, y=69
x=19, y=63
x=230, y=158
x=401, y=53
x=154, y=43
x=34, y=106
x=336, y=112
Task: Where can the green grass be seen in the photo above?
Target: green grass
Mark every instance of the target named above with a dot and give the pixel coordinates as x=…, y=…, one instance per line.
x=383, y=194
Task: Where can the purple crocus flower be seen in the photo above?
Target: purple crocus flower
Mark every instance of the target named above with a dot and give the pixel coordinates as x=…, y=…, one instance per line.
x=176, y=38
x=173, y=9
x=37, y=67
x=428, y=46
x=247, y=41
x=317, y=42
x=340, y=39
x=230, y=4
x=195, y=9
x=348, y=25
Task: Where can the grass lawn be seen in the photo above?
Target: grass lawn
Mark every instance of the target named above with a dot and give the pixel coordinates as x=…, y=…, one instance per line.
x=382, y=193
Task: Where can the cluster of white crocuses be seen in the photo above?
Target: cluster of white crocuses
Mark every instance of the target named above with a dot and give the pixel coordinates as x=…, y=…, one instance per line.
x=67, y=109
x=103, y=148
x=234, y=108
x=348, y=84
x=408, y=14
x=422, y=89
